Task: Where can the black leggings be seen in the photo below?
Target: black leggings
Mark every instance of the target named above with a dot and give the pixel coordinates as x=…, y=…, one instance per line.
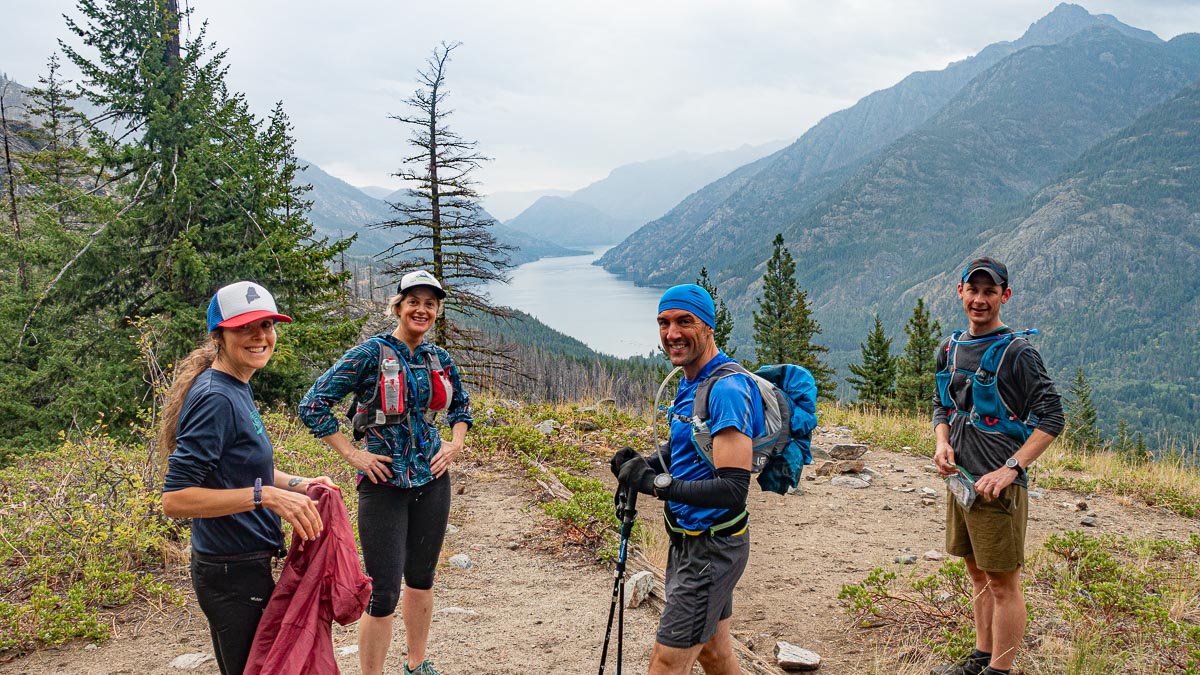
x=232, y=595
x=401, y=530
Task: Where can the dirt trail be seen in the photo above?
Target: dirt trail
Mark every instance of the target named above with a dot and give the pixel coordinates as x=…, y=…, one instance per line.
x=521, y=609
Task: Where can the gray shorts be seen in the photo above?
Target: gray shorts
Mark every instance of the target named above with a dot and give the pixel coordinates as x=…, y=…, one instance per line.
x=701, y=574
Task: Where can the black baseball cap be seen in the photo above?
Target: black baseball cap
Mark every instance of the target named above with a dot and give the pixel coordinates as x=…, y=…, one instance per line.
x=995, y=269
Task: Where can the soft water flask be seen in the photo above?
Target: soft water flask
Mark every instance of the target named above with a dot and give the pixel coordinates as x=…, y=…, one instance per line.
x=390, y=387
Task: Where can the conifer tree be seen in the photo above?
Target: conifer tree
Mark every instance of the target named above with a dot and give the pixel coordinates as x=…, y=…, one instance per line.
x=1122, y=444
x=784, y=328
x=1081, y=415
x=440, y=225
x=201, y=196
x=875, y=378
x=724, y=320
x=50, y=221
x=916, y=381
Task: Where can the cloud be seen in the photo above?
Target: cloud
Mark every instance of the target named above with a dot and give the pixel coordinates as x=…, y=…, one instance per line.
x=559, y=93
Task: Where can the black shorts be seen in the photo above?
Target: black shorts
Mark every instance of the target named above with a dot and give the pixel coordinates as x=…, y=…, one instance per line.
x=701, y=574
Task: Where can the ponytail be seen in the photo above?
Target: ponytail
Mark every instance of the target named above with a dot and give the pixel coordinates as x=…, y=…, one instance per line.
x=186, y=372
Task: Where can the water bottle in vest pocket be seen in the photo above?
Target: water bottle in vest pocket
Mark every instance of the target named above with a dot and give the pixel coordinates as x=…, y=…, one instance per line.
x=391, y=387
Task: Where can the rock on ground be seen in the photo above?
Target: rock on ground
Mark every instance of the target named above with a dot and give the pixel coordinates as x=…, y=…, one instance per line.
x=792, y=658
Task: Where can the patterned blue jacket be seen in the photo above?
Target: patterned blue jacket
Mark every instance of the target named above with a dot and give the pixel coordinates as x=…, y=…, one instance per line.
x=357, y=372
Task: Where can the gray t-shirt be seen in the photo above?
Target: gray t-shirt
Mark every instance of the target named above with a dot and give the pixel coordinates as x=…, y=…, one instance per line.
x=1023, y=385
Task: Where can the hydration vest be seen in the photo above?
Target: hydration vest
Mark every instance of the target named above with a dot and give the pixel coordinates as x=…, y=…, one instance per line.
x=989, y=413
x=387, y=405
x=789, y=396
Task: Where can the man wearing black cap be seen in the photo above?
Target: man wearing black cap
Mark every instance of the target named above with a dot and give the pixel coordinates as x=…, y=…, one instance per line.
x=995, y=412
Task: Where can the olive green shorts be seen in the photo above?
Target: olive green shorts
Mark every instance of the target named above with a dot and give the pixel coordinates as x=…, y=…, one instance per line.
x=991, y=532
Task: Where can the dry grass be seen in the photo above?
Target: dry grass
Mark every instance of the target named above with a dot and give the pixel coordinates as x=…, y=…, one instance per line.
x=1169, y=483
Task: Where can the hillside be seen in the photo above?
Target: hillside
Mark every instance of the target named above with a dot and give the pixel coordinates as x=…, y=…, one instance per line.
x=642, y=191
x=340, y=210
x=570, y=223
x=610, y=209
x=754, y=207
x=876, y=234
x=1105, y=253
x=919, y=206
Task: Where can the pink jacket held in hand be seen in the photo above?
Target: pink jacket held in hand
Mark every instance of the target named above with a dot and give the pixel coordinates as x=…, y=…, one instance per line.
x=321, y=583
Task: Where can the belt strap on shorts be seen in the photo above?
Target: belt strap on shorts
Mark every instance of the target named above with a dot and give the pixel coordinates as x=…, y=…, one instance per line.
x=730, y=528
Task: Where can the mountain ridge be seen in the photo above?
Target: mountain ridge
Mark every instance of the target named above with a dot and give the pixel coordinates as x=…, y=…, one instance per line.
x=839, y=140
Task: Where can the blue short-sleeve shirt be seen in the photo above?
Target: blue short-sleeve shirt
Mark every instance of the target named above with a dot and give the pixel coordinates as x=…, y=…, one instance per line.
x=733, y=402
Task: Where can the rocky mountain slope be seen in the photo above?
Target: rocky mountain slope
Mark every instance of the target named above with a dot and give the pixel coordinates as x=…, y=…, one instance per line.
x=756, y=201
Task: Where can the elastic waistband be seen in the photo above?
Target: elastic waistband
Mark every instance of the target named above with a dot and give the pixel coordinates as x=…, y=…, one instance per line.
x=238, y=557
x=728, y=528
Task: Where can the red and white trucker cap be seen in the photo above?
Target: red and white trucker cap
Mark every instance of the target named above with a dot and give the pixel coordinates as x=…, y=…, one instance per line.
x=241, y=303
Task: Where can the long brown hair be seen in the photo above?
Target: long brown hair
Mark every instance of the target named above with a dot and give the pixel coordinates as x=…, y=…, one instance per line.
x=186, y=372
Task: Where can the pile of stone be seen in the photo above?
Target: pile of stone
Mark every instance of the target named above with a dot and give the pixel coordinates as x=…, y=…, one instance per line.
x=844, y=465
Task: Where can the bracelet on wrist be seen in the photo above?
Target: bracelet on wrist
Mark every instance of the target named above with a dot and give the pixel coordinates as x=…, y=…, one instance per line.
x=257, y=494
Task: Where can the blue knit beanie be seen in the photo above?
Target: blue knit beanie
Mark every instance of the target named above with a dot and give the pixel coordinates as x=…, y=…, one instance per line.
x=691, y=298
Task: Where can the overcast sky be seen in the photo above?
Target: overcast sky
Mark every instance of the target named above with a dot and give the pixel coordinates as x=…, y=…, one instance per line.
x=560, y=92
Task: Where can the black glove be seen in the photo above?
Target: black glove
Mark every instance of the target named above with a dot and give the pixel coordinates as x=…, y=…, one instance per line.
x=637, y=474
x=618, y=460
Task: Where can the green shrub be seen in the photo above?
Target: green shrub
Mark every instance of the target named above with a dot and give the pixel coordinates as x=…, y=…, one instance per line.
x=1118, y=604
x=589, y=516
x=83, y=534
x=936, y=608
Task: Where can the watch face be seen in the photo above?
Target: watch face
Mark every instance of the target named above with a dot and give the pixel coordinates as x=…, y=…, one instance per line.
x=662, y=480
x=1012, y=463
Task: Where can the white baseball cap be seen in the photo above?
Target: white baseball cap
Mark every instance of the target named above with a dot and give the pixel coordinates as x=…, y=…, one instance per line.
x=238, y=304
x=420, y=278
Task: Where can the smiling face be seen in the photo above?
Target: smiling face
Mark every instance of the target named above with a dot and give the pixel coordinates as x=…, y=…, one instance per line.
x=416, y=310
x=245, y=349
x=687, y=340
x=982, y=298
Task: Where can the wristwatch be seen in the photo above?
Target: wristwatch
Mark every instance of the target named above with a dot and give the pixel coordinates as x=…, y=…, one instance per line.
x=257, y=493
x=1013, y=464
x=662, y=482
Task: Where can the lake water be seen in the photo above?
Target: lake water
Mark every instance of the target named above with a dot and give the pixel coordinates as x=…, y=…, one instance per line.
x=573, y=296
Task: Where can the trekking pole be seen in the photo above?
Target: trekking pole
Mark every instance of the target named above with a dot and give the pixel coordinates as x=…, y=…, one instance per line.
x=626, y=511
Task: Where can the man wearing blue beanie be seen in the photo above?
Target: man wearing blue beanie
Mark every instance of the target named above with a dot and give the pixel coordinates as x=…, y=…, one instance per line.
x=703, y=482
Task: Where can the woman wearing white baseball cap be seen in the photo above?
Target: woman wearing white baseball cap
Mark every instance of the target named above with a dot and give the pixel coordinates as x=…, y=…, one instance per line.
x=400, y=382
x=221, y=470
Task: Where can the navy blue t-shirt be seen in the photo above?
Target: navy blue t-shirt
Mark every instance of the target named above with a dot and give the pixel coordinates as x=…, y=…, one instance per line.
x=221, y=444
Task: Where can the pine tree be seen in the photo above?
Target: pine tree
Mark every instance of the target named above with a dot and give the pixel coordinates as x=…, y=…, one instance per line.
x=441, y=226
x=1122, y=444
x=1081, y=415
x=724, y=320
x=916, y=381
x=51, y=206
x=784, y=328
x=875, y=378
x=202, y=196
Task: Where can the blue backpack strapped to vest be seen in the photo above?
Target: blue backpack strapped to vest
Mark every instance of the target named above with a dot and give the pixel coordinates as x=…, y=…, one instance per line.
x=789, y=396
x=989, y=413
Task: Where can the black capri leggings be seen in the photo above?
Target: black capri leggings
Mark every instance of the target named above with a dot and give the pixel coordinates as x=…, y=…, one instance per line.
x=401, y=530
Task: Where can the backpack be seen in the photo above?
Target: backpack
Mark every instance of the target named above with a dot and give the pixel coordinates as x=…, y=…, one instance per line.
x=386, y=405
x=789, y=396
x=989, y=413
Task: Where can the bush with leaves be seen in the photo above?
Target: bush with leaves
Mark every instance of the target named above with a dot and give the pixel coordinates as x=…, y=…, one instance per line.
x=1118, y=604
x=82, y=534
